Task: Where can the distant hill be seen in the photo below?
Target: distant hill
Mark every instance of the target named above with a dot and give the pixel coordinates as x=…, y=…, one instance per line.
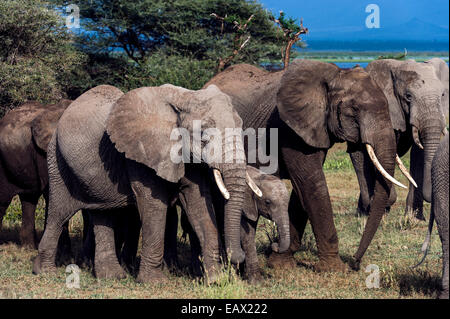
x=413, y=30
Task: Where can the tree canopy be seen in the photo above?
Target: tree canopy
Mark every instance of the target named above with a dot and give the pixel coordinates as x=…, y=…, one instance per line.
x=37, y=56
x=127, y=44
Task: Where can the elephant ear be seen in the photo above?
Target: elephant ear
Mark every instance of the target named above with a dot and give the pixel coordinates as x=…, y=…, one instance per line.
x=140, y=125
x=44, y=125
x=383, y=73
x=249, y=208
x=302, y=100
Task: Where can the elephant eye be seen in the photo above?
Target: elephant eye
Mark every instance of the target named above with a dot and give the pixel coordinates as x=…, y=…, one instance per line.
x=408, y=96
x=268, y=202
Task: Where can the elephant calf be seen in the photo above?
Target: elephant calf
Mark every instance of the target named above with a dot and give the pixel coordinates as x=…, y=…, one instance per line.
x=439, y=208
x=273, y=205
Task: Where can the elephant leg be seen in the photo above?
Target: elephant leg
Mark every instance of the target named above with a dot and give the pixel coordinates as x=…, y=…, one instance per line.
x=170, y=238
x=445, y=260
x=152, y=199
x=28, y=236
x=414, y=200
x=308, y=179
x=48, y=246
x=298, y=219
x=106, y=264
x=364, y=173
x=196, y=200
x=131, y=238
x=248, y=232
x=88, y=250
x=202, y=219
x=440, y=210
x=196, y=249
x=64, y=250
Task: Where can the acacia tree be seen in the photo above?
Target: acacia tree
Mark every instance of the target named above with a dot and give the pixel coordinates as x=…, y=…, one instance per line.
x=291, y=33
x=241, y=37
x=37, y=58
x=176, y=41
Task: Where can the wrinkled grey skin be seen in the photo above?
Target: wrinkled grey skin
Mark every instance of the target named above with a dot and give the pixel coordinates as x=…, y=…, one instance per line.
x=417, y=94
x=112, y=150
x=24, y=136
x=440, y=209
x=126, y=225
x=273, y=205
x=314, y=105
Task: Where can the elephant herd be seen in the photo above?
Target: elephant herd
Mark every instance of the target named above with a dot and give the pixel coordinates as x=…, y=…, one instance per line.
x=110, y=154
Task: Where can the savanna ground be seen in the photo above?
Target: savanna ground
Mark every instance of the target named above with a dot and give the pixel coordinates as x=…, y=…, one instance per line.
x=394, y=249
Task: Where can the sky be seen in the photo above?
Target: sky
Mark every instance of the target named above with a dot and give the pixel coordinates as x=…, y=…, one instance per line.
x=328, y=15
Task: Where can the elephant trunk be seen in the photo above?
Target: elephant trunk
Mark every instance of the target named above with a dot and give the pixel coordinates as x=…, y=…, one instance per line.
x=234, y=177
x=282, y=222
x=385, y=150
x=430, y=138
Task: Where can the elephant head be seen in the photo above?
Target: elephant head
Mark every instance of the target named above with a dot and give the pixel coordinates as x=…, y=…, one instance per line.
x=415, y=95
x=273, y=205
x=324, y=104
x=142, y=124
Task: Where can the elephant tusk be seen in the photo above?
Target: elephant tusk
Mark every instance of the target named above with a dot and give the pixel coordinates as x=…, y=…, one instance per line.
x=380, y=168
x=444, y=131
x=416, y=138
x=221, y=184
x=251, y=183
x=405, y=171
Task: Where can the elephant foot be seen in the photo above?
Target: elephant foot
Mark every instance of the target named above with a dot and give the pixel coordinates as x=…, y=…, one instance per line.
x=152, y=276
x=85, y=262
x=211, y=276
x=42, y=268
x=171, y=263
x=331, y=264
x=254, y=277
x=64, y=253
x=281, y=261
x=29, y=241
x=196, y=268
x=419, y=216
x=110, y=271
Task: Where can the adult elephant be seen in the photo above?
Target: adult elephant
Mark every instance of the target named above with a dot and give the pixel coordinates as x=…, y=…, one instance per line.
x=24, y=136
x=417, y=94
x=112, y=150
x=439, y=210
x=314, y=105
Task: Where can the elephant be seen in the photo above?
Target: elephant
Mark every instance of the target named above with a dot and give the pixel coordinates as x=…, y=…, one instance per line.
x=112, y=150
x=314, y=105
x=439, y=209
x=416, y=97
x=273, y=205
x=442, y=72
x=24, y=136
x=125, y=224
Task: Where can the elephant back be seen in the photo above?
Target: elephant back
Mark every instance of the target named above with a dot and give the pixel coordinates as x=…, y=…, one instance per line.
x=44, y=125
x=251, y=89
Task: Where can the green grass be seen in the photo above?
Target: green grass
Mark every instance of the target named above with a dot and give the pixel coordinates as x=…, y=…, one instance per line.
x=395, y=248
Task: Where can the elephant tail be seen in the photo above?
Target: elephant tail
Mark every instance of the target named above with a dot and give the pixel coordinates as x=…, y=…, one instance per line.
x=426, y=244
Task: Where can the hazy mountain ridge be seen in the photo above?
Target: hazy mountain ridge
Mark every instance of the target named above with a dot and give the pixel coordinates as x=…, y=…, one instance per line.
x=413, y=30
